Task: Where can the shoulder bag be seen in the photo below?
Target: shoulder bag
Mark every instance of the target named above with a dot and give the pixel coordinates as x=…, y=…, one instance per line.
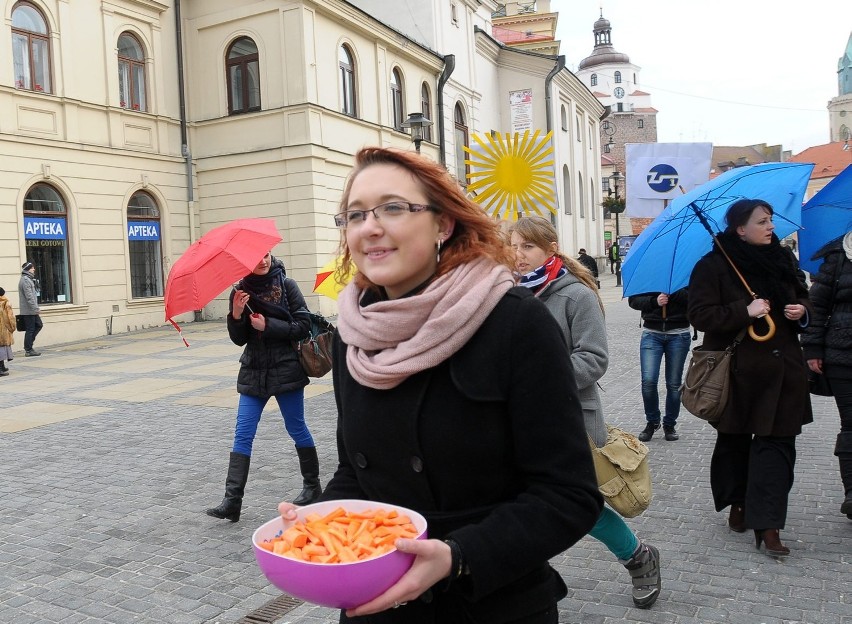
x=621, y=466
x=315, y=350
x=19, y=323
x=707, y=384
x=818, y=382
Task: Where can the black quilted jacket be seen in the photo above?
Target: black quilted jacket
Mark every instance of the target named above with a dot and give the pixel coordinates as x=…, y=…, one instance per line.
x=270, y=365
x=832, y=341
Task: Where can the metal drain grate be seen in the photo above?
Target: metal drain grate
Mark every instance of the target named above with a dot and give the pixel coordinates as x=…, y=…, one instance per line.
x=271, y=611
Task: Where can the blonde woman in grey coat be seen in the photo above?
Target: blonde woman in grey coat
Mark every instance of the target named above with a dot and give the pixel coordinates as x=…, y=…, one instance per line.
x=569, y=291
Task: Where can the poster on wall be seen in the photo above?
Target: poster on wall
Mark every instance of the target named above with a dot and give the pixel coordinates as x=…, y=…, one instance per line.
x=520, y=110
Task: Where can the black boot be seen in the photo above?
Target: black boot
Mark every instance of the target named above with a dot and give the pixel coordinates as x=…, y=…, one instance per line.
x=3, y=370
x=843, y=450
x=309, y=465
x=235, y=485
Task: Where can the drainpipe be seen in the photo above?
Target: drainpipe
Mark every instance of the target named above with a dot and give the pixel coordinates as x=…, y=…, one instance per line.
x=560, y=65
x=184, y=140
x=548, y=115
x=184, y=135
x=449, y=66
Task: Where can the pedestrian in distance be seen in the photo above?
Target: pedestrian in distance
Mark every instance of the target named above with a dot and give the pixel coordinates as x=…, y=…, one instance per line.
x=267, y=314
x=28, y=294
x=751, y=469
x=455, y=398
x=614, y=258
x=666, y=334
x=7, y=332
x=568, y=291
x=827, y=344
x=589, y=262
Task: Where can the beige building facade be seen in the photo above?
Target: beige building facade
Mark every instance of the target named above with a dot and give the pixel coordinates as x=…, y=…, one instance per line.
x=132, y=127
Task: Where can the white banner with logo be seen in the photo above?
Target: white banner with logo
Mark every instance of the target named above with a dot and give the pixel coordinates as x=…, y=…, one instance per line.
x=657, y=172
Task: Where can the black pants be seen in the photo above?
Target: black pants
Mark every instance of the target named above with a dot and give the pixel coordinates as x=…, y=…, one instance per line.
x=842, y=389
x=32, y=326
x=754, y=471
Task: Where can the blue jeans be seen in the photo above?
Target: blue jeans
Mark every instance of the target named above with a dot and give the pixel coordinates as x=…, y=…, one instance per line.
x=292, y=406
x=652, y=348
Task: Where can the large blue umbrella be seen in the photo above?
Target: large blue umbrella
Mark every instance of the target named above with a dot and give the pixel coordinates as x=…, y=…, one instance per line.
x=663, y=256
x=826, y=216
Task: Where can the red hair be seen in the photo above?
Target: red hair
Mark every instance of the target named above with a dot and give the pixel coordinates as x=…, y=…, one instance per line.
x=475, y=234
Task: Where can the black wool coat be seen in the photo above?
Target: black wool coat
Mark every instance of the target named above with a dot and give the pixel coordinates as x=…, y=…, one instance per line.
x=832, y=341
x=491, y=448
x=269, y=364
x=769, y=385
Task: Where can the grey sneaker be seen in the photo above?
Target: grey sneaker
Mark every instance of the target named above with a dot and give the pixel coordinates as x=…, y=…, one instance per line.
x=648, y=432
x=32, y=353
x=644, y=570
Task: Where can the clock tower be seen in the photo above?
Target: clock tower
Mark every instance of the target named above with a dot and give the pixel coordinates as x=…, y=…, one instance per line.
x=614, y=80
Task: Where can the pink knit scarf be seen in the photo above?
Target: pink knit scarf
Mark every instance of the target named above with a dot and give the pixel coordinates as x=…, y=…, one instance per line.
x=391, y=340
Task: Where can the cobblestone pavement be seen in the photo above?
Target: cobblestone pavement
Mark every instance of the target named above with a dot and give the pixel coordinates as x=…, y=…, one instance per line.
x=112, y=448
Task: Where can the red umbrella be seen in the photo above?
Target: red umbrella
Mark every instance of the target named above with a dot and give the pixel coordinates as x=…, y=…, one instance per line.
x=215, y=261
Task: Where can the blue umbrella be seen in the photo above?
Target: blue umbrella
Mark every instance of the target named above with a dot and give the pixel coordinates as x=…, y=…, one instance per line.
x=663, y=256
x=825, y=217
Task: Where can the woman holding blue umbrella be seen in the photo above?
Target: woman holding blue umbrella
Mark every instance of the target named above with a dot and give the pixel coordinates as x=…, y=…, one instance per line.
x=752, y=466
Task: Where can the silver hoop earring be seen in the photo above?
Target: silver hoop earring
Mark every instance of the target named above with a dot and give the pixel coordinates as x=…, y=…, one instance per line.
x=438, y=258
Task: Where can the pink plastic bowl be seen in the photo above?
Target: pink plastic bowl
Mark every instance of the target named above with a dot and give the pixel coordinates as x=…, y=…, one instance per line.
x=336, y=585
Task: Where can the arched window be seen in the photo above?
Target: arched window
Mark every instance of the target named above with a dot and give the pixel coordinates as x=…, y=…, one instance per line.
x=617, y=76
x=581, y=195
x=564, y=119
x=46, y=234
x=243, y=68
x=143, y=241
x=426, y=109
x=131, y=73
x=566, y=187
x=461, y=142
x=396, y=98
x=594, y=80
x=31, y=49
x=347, y=77
x=579, y=130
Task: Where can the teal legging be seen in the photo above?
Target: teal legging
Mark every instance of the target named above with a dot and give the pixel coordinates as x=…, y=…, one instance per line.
x=614, y=533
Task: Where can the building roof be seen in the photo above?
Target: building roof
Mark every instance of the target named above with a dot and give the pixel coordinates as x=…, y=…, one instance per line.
x=598, y=94
x=638, y=92
x=829, y=159
x=649, y=109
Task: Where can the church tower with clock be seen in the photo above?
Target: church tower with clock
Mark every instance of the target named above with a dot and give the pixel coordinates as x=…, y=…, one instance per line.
x=614, y=80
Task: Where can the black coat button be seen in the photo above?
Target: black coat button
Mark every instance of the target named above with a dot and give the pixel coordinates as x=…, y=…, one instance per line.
x=416, y=464
x=360, y=460
x=776, y=353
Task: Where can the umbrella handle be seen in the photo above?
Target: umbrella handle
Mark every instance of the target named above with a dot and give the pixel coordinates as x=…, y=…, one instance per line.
x=770, y=332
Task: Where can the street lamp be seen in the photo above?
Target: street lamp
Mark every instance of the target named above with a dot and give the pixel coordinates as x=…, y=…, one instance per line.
x=416, y=122
x=616, y=177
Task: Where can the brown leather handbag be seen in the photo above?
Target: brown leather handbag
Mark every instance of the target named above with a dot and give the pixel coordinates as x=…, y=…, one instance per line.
x=707, y=384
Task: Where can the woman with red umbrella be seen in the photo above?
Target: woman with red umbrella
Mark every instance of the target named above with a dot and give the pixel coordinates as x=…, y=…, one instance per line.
x=267, y=313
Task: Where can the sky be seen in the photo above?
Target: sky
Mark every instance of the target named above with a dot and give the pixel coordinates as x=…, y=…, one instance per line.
x=726, y=72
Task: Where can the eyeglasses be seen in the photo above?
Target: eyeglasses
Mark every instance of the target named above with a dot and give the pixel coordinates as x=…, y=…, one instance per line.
x=390, y=211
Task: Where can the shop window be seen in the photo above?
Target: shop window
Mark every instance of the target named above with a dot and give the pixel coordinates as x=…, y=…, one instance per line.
x=426, y=109
x=31, y=49
x=347, y=79
x=397, y=99
x=46, y=236
x=462, y=138
x=243, y=67
x=131, y=73
x=143, y=241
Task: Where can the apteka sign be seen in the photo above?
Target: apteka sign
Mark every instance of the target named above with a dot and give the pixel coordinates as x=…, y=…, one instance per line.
x=143, y=231
x=45, y=229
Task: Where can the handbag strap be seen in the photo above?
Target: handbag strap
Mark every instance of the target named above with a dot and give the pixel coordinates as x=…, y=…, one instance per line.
x=730, y=348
